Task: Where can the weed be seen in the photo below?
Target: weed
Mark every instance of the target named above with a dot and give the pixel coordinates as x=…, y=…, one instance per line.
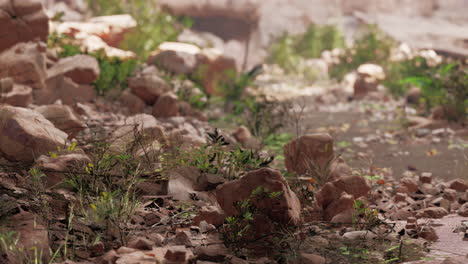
x=373, y=46
x=364, y=218
x=238, y=229
x=154, y=26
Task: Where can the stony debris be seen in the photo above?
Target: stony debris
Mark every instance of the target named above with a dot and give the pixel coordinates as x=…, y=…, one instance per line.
x=81, y=69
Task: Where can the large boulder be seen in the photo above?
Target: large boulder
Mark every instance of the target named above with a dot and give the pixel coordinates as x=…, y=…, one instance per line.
x=82, y=69
x=148, y=85
x=63, y=117
x=284, y=209
x=22, y=21
x=26, y=134
x=25, y=63
x=306, y=151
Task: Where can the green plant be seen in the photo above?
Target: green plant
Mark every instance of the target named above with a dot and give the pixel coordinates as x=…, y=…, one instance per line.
x=113, y=71
x=288, y=51
x=364, y=218
x=373, y=46
x=154, y=25
x=446, y=86
x=216, y=158
x=238, y=229
x=11, y=249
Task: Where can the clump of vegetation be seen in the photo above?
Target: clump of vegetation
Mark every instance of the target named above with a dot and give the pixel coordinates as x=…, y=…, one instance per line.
x=373, y=46
x=288, y=51
x=154, y=25
x=217, y=158
x=446, y=86
x=114, y=71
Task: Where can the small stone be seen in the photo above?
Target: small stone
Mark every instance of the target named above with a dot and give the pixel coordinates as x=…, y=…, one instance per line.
x=306, y=258
x=141, y=243
x=458, y=185
x=428, y=233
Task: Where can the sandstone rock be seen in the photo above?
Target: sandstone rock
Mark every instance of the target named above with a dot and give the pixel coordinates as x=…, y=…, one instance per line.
x=22, y=21
x=342, y=204
x=26, y=134
x=458, y=185
x=463, y=210
x=413, y=95
x=315, y=148
x=64, y=89
x=211, y=214
x=284, y=209
x=242, y=135
x=25, y=63
x=148, y=85
x=32, y=234
x=109, y=258
x=140, y=243
x=114, y=27
x=450, y=194
x=18, y=95
x=56, y=168
x=409, y=183
x=166, y=106
x=432, y=212
x=428, y=233
x=369, y=76
x=177, y=254
x=82, y=69
x=178, y=58
x=142, y=126
x=133, y=103
x=183, y=238
x=355, y=185
x=63, y=117
x=214, y=253
x=425, y=178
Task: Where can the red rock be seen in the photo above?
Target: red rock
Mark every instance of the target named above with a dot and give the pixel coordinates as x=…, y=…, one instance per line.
x=306, y=258
x=355, y=185
x=432, y=212
x=214, y=253
x=25, y=63
x=63, y=117
x=81, y=69
x=399, y=197
x=428, y=233
x=64, y=89
x=284, y=209
x=425, y=178
x=450, y=194
x=242, y=135
x=22, y=21
x=109, y=258
x=140, y=243
x=315, y=148
x=458, y=185
x=26, y=134
x=178, y=58
x=148, y=86
x=463, y=210
x=409, y=183
x=368, y=79
x=211, y=214
x=413, y=95
x=177, y=254
x=56, y=168
x=19, y=95
x=166, y=106
x=344, y=203
x=133, y=103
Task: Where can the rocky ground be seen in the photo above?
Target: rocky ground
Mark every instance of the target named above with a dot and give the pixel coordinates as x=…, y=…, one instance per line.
x=143, y=175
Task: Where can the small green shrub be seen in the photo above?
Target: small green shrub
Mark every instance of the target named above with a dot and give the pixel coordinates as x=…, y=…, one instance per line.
x=288, y=51
x=373, y=46
x=154, y=25
x=114, y=71
x=397, y=71
x=447, y=86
